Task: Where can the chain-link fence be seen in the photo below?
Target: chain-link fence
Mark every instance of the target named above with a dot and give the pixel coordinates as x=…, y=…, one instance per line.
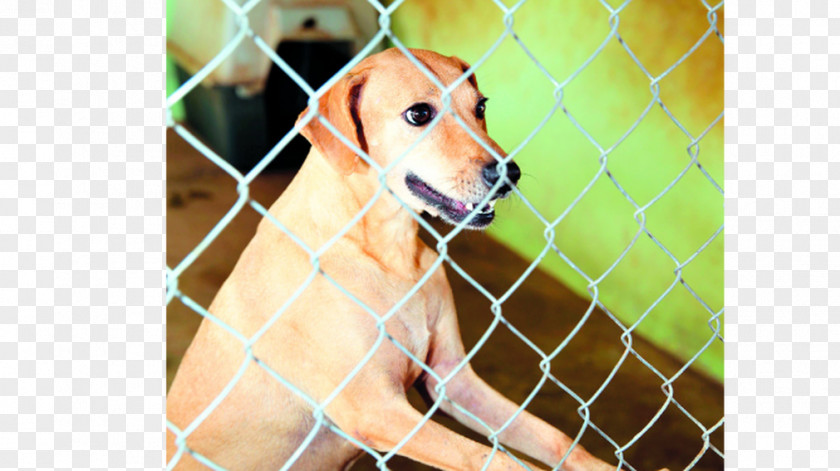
x=244, y=33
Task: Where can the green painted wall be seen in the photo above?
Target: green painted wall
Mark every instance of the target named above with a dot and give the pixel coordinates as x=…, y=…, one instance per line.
x=178, y=113
x=605, y=99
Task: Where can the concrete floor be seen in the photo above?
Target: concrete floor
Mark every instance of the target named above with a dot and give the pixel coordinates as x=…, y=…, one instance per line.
x=199, y=194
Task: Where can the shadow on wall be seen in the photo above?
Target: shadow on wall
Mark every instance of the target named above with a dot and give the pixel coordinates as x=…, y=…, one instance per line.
x=605, y=100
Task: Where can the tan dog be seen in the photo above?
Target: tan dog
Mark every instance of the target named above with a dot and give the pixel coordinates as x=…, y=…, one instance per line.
x=382, y=106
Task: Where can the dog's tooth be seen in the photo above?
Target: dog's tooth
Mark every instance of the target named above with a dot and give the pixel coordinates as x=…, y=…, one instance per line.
x=470, y=206
x=492, y=204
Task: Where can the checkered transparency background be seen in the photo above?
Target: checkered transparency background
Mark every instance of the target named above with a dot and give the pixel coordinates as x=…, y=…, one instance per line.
x=81, y=234
x=782, y=143
x=81, y=223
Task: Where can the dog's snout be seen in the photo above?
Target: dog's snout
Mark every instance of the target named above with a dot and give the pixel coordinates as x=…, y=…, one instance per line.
x=490, y=175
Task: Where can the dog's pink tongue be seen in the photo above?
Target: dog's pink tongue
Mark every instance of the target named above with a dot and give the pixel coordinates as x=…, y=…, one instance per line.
x=459, y=206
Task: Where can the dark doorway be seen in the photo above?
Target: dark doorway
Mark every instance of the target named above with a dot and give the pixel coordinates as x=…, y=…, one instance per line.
x=316, y=62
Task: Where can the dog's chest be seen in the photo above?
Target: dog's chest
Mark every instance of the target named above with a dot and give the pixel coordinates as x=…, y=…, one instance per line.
x=410, y=324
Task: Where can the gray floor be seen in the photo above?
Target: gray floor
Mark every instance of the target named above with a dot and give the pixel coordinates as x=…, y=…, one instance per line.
x=199, y=194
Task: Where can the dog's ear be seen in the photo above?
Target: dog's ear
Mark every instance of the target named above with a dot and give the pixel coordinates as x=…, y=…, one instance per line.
x=465, y=67
x=339, y=106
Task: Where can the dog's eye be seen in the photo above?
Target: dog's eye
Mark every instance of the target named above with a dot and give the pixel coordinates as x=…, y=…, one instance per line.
x=419, y=114
x=480, y=108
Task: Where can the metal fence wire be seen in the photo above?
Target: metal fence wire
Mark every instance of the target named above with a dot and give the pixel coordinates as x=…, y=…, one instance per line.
x=245, y=33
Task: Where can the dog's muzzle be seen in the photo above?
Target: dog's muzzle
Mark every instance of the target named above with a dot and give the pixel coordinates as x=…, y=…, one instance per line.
x=454, y=211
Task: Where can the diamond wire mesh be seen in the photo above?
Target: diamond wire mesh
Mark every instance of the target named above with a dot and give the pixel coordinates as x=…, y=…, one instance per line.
x=244, y=32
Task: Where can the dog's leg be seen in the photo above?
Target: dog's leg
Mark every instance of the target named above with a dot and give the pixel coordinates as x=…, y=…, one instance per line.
x=383, y=424
x=526, y=433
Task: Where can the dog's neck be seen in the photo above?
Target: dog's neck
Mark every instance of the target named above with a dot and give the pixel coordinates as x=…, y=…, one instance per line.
x=320, y=202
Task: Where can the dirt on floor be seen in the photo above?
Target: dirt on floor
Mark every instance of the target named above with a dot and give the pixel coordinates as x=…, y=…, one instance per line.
x=199, y=194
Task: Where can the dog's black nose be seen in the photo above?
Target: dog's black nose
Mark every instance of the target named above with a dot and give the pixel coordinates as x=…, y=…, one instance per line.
x=490, y=175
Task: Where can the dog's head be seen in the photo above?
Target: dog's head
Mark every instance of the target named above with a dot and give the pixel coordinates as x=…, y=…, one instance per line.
x=383, y=106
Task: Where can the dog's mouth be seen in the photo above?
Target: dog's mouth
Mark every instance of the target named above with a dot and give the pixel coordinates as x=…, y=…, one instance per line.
x=451, y=210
